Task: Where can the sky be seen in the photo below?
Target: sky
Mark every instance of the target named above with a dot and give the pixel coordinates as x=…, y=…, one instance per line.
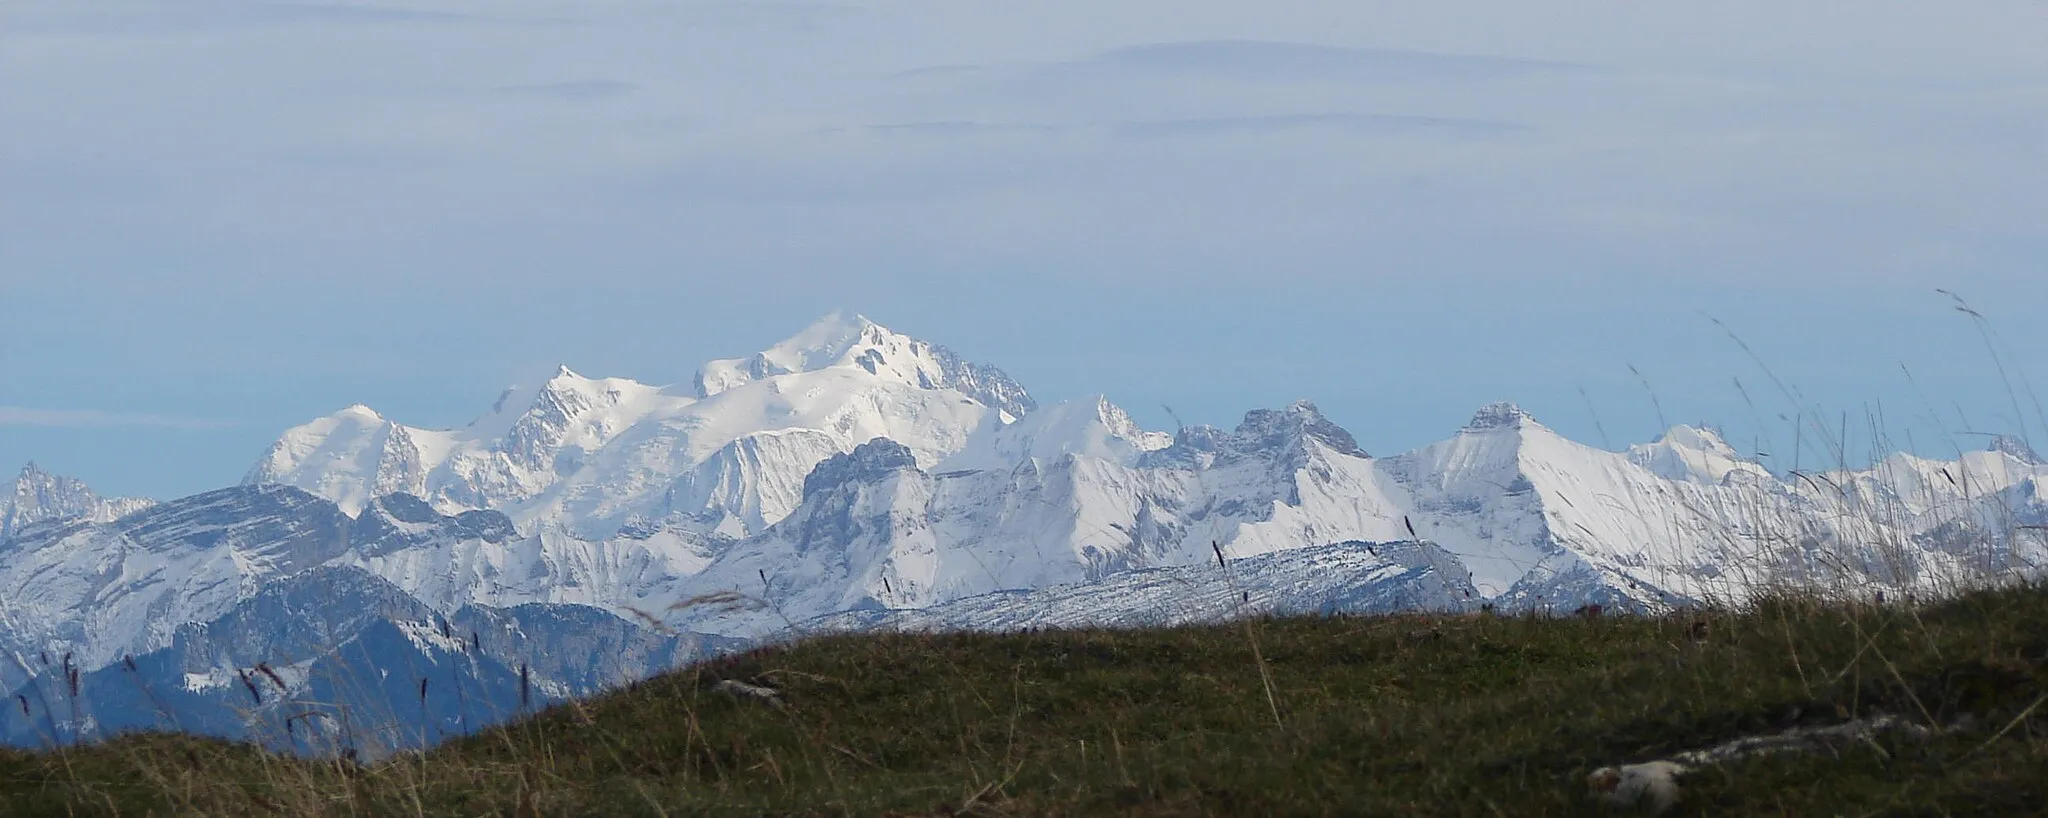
x=222, y=218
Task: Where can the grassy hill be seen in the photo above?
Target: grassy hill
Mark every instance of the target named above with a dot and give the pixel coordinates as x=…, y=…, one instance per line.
x=1473, y=715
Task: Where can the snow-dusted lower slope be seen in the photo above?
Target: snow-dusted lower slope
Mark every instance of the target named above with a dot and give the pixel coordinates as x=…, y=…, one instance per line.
x=94, y=593
x=335, y=659
x=478, y=558
x=590, y=456
x=99, y=591
x=37, y=496
x=232, y=612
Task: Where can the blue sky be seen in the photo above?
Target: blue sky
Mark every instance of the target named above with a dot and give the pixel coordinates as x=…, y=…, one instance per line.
x=220, y=218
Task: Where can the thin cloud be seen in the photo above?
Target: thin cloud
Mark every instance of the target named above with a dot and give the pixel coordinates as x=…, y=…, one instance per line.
x=572, y=89
x=753, y=14
x=941, y=71
x=216, y=15
x=1296, y=62
x=100, y=419
x=341, y=13
x=1209, y=126
x=1355, y=123
x=963, y=128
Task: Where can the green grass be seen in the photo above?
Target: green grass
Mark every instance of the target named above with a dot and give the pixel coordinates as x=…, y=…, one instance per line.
x=1377, y=716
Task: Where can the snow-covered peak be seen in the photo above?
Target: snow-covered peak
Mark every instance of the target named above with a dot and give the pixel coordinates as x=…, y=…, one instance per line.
x=2017, y=448
x=1494, y=416
x=829, y=341
x=32, y=475
x=563, y=388
x=1119, y=423
x=1698, y=438
x=842, y=341
x=1270, y=429
x=1694, y=454
x=520, y=397
x=337, y=456
x=37, y=496
x=574, y=410
x=1280, y=435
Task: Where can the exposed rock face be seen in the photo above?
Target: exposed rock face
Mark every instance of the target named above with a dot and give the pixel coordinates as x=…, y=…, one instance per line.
x=867, y=462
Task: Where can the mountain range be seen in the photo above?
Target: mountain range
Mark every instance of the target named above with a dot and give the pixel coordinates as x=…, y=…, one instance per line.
x=585, y=532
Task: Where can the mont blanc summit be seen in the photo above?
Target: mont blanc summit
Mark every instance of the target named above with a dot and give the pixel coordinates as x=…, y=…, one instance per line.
x=729, y=451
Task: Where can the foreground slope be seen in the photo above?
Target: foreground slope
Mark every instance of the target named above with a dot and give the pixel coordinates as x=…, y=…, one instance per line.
x=1399, y=715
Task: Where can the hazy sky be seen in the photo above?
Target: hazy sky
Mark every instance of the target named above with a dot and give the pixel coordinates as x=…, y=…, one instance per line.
x=221, y=218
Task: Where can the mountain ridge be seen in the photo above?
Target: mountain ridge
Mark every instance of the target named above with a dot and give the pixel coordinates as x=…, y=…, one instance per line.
x=855, y=477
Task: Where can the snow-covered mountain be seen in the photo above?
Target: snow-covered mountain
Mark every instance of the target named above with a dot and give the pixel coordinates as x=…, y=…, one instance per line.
x=855, y=477
x=38, y=496
x=592, y=456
